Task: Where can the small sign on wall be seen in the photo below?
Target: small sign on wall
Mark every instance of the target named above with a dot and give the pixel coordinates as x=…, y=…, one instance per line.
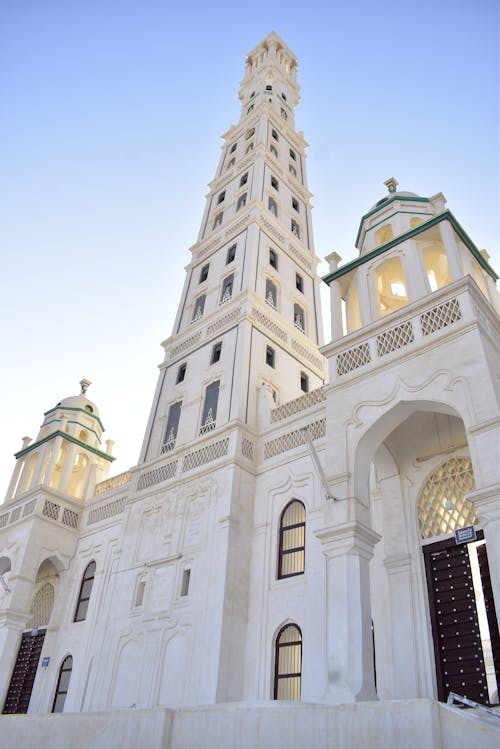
x=45, y=661
x=465, y=535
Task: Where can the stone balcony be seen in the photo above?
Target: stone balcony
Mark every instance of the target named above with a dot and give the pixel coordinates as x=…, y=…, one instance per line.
x=455, y=307
x=43, y=503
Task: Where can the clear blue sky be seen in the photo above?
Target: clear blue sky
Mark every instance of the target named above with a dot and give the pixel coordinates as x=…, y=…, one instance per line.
x=110, y=131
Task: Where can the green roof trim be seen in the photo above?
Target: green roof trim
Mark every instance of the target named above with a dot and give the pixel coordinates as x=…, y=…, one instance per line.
x=447, y=215
x=383, y=205
x=68, y=437
x=72, y=408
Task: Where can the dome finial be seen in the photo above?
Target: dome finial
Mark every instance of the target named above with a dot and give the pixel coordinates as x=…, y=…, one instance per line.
x=84, y=384
x=391, y=184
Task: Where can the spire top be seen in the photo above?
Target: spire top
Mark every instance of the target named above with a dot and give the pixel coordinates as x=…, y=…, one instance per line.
x=391, y=184
x=84, y=384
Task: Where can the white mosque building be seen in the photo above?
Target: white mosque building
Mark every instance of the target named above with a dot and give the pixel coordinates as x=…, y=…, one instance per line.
x=309, y=546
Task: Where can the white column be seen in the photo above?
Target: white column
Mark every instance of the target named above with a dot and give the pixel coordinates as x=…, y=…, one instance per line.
x=337, y=330
x=68, y=467
x=487, y=502
x=56, y=446
x=413, y=268
x=365, y=282
x=451, y=249
x=41, y=460
x=348, y=549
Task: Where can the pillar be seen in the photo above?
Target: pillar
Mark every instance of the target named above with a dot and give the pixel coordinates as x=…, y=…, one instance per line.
x=337, y=330
x=451, y=249
x=348, y=549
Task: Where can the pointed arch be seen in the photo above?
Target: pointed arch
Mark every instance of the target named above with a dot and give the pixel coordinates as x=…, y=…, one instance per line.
x=292, y=529
x=85, y=591
x=62, y=684
x=288, y=663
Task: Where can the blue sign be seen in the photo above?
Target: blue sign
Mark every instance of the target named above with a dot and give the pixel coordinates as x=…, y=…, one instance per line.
x=45, y=661
x=464, y=535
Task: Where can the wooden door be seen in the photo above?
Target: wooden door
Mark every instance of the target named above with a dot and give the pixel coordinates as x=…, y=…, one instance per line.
x=23, y=676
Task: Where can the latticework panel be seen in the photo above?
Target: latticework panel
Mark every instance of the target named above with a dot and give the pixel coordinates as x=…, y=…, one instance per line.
x=15, y=514
x=70, y=518
x=41, y=607
x=440, y=317
x=109, y=510
x=157, y=475
x=269, y=324
x=442, y=505
x=247, y=448
x=307, y=354
x=293, y=439
x=29, y=507
x=191, y=341
x=223, y=321
x=395, y=338
x=205, y=455
x=51, y=510
x=298, y=404
x=113, y=483
x=4, y=519
x=353, y=358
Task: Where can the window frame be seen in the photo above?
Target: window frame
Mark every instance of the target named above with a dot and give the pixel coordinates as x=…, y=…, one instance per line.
x=244, y=179
x=281, y=535
x=270, y=357
x=299, y=283
x=181, y=373
x=304, y=382
x=242, y=201
x=201, y=306
x=81, y=600
x=273, y=258
x=204, y=273
x=231, y=254
x=58, y=692
x=227, y=283
x=216, y=352
x=278, y=646
x=274, y=183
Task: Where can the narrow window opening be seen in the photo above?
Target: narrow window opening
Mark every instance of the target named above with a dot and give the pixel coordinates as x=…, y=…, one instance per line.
x=242, y=201
x=204, y=273
x=199, y=308
x=233, y=148
x=270, y=356
x=299, y=283
x=273, y=207
x=244, y=179
x=288, y=664
x=273, y=151
x=174, y=415
x=216, y=352
x=292, y=155
x=186, y=579
x=218, y=220
x=275, y=134
x=271, y=294
x=269, y=88
x=273, y=259
x=292, y=170
x=62, y=685
x=231, y=254
x=231, y=163
x=284, y=114
x=283, y=97
x=294, y=227
x=249, y=148
x=227, y=289
x=304, y=382
x=249, y=108
x=298, y=317
x=274, y=183
x=292, y=540
x=209, y=415
x=85, y=591
x=181, y=373
x=250, y=132
x=139, y=596
x=295, y=204
x=221, y=197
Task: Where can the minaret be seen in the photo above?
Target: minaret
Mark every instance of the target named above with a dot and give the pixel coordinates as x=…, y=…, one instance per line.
x=66, y=456
x=249, y=314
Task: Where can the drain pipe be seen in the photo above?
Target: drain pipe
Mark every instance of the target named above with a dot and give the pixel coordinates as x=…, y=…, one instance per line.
x=317, y=464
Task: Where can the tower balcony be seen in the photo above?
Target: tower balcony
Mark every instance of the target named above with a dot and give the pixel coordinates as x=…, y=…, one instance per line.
x=452, y=310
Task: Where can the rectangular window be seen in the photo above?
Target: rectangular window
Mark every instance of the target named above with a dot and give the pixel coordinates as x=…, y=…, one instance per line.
x=231, y=254
x=186, y=579
x=204, y=273
x=273, y=207
x=271, y=294
x=216, y=352
x=270, y=356
x=242, y=201
x=274, y=183
x=199, y=308
x=174, y=415
x=292, y=155
x=233, y=148
x=209, y=415
x=227, y=289
x=295, y=204
x=299, y=283
x=181, y=373
x=304, y=382
x=292, y=170
x=273, y=151
x=294, y=228
x=221, y=197
x=244, y=179
x=274, y=134
x=218, y=220
x=273, y=259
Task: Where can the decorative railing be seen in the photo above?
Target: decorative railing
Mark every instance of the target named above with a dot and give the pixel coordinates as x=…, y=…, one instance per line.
x=298, y=404
x=113, y=483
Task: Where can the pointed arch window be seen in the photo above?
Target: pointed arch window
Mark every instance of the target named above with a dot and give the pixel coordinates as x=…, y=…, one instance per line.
x=62, y=684
x=209, y=416
x=85, y=591
x=292, y=540
x=288, y=663
x=299, y=317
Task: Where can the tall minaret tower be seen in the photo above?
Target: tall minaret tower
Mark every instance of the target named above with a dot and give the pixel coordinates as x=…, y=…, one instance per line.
x=249, y=316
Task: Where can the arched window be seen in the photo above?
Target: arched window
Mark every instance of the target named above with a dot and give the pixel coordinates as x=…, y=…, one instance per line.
x=62, y=684
x=85, y=591
x=292, y=540
x=391, y=286
x=443, y=506
x=288, y=663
